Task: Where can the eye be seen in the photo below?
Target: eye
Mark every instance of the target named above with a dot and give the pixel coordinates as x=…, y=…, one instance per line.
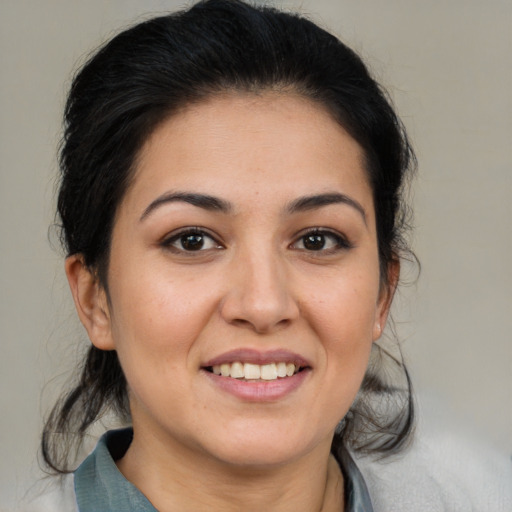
x=191, y=240
x=321, y=240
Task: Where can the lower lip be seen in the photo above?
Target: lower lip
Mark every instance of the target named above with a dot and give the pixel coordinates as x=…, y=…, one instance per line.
x=259, y=391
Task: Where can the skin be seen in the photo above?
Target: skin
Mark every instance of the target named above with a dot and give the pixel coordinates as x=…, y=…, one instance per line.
x=255, y=285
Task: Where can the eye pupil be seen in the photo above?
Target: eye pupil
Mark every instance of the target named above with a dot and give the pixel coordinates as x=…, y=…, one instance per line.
x=314, y=242
x=192, y=242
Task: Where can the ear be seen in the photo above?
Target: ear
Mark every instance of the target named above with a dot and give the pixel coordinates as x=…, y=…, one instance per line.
x=90, y=302
x=386, y=295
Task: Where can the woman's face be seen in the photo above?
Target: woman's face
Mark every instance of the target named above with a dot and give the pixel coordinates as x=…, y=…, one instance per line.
x=245, y=245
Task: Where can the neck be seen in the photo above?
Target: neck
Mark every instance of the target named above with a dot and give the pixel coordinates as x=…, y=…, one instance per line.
x=173, y=479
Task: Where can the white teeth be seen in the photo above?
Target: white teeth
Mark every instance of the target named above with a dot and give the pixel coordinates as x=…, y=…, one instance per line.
x=249, y=371
x=269, y=371
x=252, y=371
x=237, y=370
x=281, y=370
x=225, y=370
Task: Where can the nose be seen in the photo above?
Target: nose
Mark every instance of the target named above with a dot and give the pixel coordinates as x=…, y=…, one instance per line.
x=259, y=294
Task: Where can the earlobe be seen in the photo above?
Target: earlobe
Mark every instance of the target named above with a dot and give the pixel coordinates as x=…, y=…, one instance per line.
x=90, y=302
x=386, y=295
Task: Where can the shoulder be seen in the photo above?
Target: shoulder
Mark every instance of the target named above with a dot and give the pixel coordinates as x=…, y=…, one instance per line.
x=446, y=468
x=55, y=494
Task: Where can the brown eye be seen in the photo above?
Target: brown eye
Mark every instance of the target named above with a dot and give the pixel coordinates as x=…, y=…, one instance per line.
x=321, y=240
x=191, y=240
x=314, y=242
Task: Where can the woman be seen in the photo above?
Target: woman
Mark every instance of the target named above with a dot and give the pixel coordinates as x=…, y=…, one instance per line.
x=232, y=213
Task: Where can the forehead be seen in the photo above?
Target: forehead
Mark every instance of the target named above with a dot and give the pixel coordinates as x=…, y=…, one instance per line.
x=241, y=145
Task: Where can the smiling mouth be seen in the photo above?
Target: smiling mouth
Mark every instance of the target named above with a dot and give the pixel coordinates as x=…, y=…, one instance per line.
x=255, y=372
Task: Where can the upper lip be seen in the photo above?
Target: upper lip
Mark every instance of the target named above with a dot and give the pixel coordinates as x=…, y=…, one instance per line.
x=252, y=356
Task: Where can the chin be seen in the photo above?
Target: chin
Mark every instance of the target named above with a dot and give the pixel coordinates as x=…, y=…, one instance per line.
x=257, y=457
x=263, y=448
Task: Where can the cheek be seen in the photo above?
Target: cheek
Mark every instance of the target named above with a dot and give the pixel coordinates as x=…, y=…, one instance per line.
x=344, y=309
x=343, y=318
x=154, y=335
x=157, y=320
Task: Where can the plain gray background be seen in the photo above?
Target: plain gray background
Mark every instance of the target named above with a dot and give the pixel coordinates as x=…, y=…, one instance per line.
x=447, y=65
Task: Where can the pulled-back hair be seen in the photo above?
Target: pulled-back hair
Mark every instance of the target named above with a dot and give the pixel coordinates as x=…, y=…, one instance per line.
x=149, y=72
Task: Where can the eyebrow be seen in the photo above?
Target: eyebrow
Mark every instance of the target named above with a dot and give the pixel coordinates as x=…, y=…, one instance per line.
x=212, y=203
x=204, y=201
x=317, y=201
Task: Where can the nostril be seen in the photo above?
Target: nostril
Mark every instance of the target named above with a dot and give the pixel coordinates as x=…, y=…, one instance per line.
x=239, y=322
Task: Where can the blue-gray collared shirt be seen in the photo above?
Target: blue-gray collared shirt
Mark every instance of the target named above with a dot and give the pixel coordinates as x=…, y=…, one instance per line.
x=100, y=486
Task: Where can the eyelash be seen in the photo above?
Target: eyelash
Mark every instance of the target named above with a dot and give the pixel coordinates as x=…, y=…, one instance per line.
x=169, y=242
x=340, y=242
